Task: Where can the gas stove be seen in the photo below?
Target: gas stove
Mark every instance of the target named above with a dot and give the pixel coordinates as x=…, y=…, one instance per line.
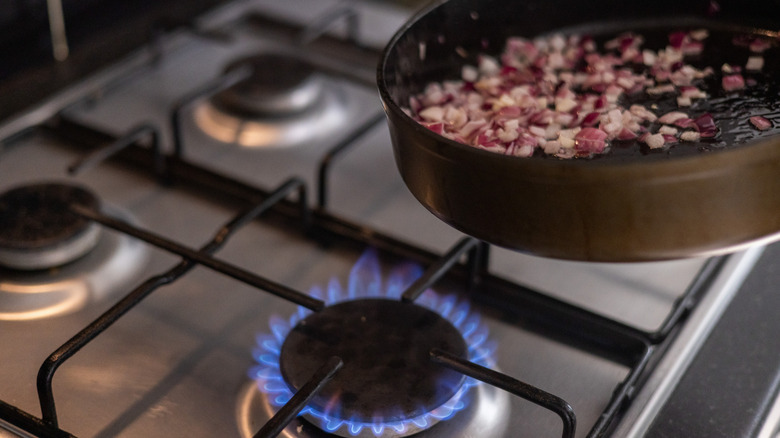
x=239, y=257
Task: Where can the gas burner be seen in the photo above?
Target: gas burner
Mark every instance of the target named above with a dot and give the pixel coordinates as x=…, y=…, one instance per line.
x=39, y=231
x=388, y=386
x=485, y=416
x=278, y=86
x=283, y=102
x=113, y=263
x=388, y=376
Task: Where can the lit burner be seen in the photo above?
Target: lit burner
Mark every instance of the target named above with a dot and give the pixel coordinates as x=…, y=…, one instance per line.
x=388, y=386
x=388, y=377
x=283, y=102
x=39, y=231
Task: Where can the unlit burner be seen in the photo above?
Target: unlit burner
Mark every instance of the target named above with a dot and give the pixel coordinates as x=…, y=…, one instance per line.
x=278, y=86
x=284, y=101
x=388, y=376
x=39, y=231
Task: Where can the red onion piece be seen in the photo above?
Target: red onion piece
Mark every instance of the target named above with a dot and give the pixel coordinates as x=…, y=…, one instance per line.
x=437, y=127
x=471, y=127
x=759, y=45
x=524, y=151
x=590, y=140
x=733, y=82
x=508, y=112
x=643, y=113
x=692, y=92
x=761, y=123
x=414, y=104
x=601, y=102
x=713, y=8
x=705, y=124
x=684, y=123
x=625, y=134
x=699, y=34
x=661, y=89
x=590, y=119
x=676, y=39
x=671, y=117
x=692, y=47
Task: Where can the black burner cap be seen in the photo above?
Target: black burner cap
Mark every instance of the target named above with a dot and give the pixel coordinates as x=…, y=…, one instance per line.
x=388, y=374
x=279, y=85
x=34, y=217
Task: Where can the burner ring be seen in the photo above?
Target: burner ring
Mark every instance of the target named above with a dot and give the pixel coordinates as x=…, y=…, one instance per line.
x=387, y=375
x=278, y=86
x=38, y=230
x=486, y=416
x=285, y=101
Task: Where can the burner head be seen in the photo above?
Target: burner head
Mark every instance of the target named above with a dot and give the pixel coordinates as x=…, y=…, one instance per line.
x=38, y=230
x=284, y=102
x=387, y=375
x=278, y=86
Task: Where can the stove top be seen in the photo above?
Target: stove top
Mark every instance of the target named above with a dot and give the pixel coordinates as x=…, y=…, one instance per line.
x=225, y=226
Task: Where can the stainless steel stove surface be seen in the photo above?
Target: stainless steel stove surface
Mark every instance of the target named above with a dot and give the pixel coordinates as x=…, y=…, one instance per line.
x=182, y=358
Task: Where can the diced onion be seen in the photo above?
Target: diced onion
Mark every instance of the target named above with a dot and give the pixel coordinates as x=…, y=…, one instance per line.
x=690, y=136
x=754, y=63
x=560, y=95
x=761, y=123
x=733, y=82
x=655, y=141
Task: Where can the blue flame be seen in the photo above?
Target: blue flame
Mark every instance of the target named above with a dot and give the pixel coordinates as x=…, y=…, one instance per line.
x=365, y=280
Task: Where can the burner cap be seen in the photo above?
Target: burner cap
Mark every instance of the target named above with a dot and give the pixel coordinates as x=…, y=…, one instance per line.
x=38, y=230
x=285, y=101
x=279, y=85
x=387, y=375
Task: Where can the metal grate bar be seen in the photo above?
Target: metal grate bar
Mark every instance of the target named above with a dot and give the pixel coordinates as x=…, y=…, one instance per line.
x=49, y=367
x=512, y=385
x=134, y=136
x=290, y=410
x=216, y=85
x=28, y=423
x=321, y=25
x=688, y=300
x=203, y=259
x=336, y=151
x=438, y=269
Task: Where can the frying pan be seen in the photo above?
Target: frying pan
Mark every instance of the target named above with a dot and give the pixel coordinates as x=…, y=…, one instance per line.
x=639, y=208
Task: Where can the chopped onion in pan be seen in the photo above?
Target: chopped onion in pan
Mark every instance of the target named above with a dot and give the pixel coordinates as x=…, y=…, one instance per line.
x=559, y=95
